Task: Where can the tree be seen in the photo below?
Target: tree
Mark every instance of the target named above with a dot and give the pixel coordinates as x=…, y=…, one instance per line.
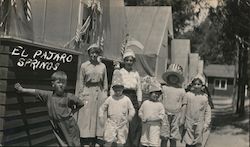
x=234, y=40
x=205, y=41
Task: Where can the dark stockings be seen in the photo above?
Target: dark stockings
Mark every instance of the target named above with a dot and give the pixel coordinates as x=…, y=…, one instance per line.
x=165, y=142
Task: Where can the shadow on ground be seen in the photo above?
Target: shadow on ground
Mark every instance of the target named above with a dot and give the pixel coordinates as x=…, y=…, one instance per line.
x=225, y=119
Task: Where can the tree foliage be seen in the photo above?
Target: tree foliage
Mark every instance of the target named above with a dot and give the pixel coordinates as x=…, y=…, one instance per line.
x=233, y=17
x=225, y=30
x=205, y=41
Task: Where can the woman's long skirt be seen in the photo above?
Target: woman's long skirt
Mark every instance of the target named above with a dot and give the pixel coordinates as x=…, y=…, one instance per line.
x=135, y=127
x=87, y=119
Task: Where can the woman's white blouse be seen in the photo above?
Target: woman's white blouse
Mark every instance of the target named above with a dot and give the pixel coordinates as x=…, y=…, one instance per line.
x=131, y=80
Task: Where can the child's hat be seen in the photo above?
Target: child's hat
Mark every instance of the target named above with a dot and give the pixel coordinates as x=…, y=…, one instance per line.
x=128, y=52
x=117, y=79
x=95, y=45
x=174, y=69
x=201, y=77
x=154, y=87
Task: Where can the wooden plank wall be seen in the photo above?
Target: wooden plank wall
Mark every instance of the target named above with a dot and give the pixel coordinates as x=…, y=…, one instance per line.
x=24, y=119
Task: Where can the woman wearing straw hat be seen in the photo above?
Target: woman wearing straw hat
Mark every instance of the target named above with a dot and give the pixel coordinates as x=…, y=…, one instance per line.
x=93, y=90
x=174, y=105
x=132, y=89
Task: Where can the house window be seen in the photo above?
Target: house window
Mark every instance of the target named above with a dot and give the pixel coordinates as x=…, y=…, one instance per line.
x=220, y=84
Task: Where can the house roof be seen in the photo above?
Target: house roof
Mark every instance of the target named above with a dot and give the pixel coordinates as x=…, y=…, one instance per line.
x=217, y=70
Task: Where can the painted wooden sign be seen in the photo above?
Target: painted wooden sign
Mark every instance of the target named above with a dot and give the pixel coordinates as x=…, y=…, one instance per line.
x=41, y=58
x=24, y=119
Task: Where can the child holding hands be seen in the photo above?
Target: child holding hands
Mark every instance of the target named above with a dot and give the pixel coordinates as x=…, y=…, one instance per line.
x=60, y=108
x=152, y=113
x=120, y=111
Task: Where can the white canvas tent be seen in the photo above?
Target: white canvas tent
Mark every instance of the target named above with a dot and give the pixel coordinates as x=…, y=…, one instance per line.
x=151, y=26
x=180, y=50
x=193, y=65
x=55, y=22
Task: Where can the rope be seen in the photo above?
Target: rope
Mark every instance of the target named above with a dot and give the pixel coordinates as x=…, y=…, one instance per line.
x=95, y=6
x=83, y=29
x=5, y=17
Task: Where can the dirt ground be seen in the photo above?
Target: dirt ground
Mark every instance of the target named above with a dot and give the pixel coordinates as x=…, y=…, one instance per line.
x=228, y=129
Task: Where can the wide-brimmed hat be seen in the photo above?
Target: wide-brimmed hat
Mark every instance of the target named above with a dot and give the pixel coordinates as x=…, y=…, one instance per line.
x=95, y=45
x=174, y=69
x=128, y=52
x=117, y=79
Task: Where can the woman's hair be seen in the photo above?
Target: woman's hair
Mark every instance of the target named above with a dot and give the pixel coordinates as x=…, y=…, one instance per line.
x=96, y=49
x=58, y=75
x=134, y=60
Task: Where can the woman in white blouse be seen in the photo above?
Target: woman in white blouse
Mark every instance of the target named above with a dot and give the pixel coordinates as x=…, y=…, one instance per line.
x=132, y=89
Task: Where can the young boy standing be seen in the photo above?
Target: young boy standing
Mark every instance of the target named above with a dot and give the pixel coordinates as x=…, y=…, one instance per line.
x=174, y=105
x=60, y=107
x=120, y=111
x=152, y=113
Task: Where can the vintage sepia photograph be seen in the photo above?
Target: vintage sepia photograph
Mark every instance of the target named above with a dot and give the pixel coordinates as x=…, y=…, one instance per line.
x=124, y=73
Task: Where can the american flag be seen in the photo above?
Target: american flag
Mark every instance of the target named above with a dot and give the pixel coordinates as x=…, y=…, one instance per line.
x=129, y=42
x=27, y=10
x=124, y=44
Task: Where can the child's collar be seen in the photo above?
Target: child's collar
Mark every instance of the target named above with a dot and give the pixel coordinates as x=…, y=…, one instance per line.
x=117, y=97
x=63, y=94
x=173, y=85
x=197, y=93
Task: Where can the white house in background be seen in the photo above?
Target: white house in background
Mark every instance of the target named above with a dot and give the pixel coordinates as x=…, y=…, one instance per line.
x=220, y=79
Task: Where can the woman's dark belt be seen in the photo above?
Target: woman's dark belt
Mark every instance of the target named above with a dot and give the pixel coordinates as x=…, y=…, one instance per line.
x=129, y=91
x=133, y=97
x=93, y=84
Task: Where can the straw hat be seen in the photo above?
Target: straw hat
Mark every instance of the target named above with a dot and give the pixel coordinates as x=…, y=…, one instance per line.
x=174, y=69
x=128, y=52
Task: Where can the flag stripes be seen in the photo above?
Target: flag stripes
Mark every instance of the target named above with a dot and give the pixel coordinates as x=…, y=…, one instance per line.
x=124, y=44
x=27, y=10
